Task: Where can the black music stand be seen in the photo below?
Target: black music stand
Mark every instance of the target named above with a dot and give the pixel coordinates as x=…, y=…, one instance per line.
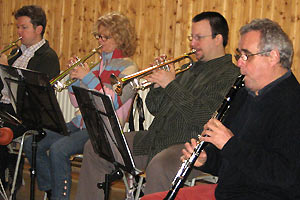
x=105, y=134
x=36, y=105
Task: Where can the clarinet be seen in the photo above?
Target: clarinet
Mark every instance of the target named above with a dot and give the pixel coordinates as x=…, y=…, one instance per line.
x=188, y=164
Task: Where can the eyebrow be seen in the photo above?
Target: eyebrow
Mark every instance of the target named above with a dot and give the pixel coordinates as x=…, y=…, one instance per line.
x=244, y=50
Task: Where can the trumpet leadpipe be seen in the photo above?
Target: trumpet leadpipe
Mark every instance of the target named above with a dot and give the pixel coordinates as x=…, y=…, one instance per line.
x=56, y=81
x=118, y=83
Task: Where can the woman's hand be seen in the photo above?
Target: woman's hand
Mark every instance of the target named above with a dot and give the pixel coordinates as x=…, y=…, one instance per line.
x=80, y=71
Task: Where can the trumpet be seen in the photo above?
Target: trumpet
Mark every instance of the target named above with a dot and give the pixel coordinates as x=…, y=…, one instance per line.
x=134, y=79
x=11, y=45
x=55, y=82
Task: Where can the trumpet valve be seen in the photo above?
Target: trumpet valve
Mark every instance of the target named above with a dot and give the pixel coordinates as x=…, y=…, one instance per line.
x=118, y=89
x=58, y=86
x=116, y=84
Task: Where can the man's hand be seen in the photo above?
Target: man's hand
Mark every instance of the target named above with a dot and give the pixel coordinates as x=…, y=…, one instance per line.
x=216, y=133
x=189, y=149
x=3, y=59
x=161, y=77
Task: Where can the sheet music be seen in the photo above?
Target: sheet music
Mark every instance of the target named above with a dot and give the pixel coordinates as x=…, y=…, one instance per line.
x=111, y=137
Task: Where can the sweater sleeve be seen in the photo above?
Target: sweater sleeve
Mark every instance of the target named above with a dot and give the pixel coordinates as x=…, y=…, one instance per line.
x=123, y=67
x=270, y=151
x=154, y=100
x=213, y=161
x=198, y=108
x=275, y=166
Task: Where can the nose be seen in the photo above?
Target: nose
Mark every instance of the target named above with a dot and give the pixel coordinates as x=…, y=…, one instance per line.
x=241, y=63
x=193, y=42
x=19, y=31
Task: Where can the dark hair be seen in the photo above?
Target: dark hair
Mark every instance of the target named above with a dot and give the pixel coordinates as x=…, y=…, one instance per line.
x=35, y=13
x=217, y=23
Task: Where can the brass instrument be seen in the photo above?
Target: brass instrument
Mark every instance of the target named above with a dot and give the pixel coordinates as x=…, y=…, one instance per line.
x=134, y=79
x=11, y=45
x=55, y=82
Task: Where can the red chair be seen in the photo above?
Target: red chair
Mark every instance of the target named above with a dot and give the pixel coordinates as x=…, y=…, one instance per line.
x=198, y=192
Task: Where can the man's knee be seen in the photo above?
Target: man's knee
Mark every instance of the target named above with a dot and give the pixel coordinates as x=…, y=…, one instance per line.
x=166, y=159
x=88, y=149
x=57, y=150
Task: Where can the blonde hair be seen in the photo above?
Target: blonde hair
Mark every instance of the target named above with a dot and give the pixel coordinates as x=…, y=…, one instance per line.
x=121, y=31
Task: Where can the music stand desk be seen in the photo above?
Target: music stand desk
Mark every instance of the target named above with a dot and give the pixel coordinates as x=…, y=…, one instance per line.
x=104, y=130
x=36, y=105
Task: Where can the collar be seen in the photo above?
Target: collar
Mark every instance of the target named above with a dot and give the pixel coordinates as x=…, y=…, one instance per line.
x=117, y=53
x=270, y=85
x=34, y=47
x=212, y=65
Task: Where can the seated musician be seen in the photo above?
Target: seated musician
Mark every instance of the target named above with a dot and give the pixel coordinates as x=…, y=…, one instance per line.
x=34, y=54
x=180, y=105
x=118, y=39
x=255, y=152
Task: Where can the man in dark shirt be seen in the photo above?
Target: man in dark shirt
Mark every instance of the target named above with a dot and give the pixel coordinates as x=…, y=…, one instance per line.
x=34, y=54
x=255, y=152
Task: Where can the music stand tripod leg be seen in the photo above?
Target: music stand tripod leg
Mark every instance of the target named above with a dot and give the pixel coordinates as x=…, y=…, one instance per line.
x=35, y=139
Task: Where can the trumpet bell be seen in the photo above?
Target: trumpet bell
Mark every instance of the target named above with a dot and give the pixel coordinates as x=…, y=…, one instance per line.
x=10, y=46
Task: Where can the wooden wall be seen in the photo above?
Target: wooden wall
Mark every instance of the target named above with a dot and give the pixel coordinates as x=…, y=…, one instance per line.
x=162, y=25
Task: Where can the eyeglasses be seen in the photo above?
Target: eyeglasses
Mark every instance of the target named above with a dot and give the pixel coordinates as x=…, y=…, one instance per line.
x=102, y=37
x=245, y=57
x=198, y=37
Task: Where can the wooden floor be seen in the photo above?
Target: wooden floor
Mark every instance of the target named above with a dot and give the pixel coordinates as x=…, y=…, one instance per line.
x=117, y=189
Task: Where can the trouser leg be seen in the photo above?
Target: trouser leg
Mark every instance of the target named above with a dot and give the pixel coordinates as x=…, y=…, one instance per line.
x=93, y=170
x=60, y=153
x=42, y=159
x=162, y=169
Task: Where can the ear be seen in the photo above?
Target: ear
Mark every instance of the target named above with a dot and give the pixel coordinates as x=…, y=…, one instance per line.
x=219, y=39
x=39, y=29
x=274, y=56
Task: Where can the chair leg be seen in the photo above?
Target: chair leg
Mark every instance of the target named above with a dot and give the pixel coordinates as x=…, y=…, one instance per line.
x=139, y=188
x=45, y=196
x=2, y=191
x=18, y=162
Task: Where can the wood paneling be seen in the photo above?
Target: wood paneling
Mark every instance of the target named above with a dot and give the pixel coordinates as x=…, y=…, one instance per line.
x=162, y=25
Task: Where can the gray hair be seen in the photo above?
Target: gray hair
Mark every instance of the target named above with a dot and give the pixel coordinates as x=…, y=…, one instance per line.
x=272, y=37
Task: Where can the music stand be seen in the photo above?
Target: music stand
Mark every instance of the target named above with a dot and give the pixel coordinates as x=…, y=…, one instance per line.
x=36, y=105
x=105, y=133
